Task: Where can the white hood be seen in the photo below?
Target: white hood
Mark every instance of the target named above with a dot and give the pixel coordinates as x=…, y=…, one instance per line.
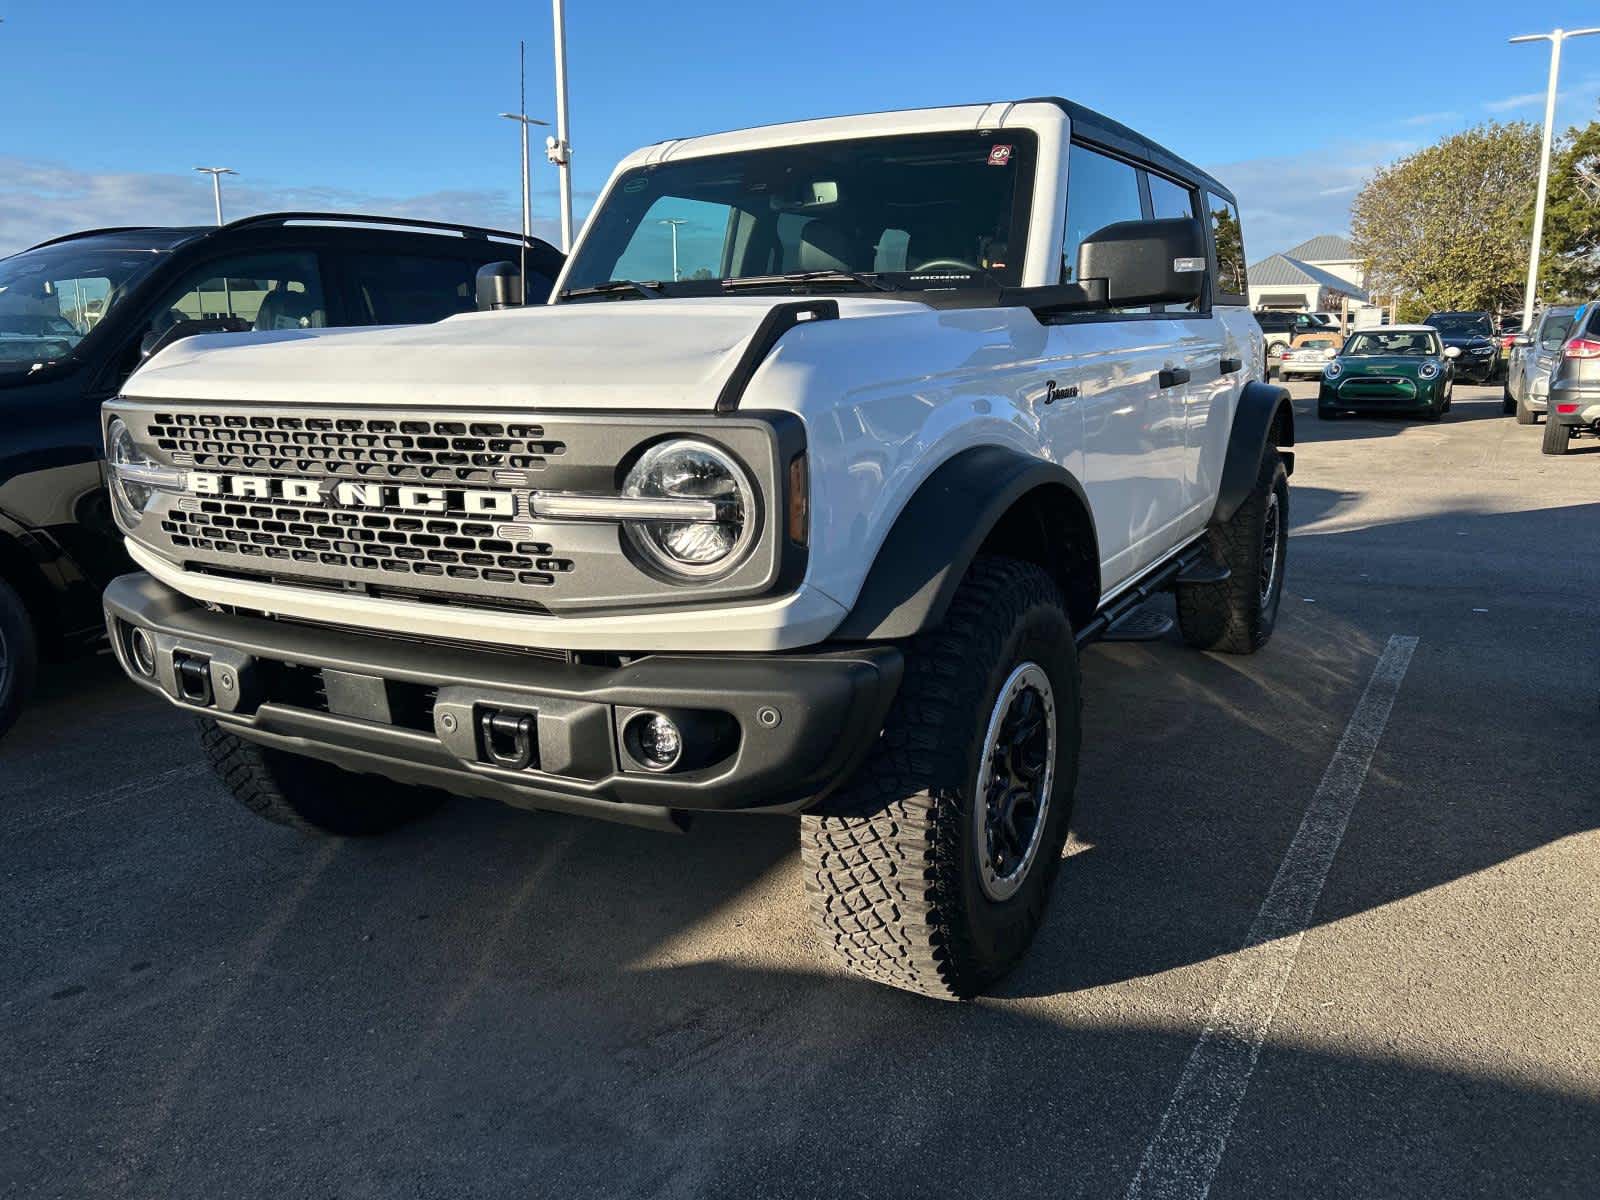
x=633, y=354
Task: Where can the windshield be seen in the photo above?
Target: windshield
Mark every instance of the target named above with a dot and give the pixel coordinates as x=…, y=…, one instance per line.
x=1461, y=324
x=1315, y=343
x=937, y=210
x=1416, y=343
x=51, y=297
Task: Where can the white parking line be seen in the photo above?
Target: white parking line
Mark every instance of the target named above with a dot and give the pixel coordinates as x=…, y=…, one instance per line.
x=1182, y=1157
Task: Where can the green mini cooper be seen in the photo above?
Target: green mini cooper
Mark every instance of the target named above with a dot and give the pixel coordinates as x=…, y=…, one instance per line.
x=1398, y=368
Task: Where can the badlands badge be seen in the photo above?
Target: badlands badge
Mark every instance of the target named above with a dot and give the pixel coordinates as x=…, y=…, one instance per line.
x=999, y=156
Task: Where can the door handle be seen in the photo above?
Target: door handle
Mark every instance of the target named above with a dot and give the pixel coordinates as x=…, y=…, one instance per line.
x=1173, y=376
x=1229, y=365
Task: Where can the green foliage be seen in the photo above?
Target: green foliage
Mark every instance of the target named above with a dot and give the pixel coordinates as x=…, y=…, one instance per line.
x=1446, y=227
x=1569, y=267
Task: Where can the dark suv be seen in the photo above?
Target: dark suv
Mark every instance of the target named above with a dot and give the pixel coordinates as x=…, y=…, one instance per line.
x=1473, y=333
x=79, y=313
x=1574, y=406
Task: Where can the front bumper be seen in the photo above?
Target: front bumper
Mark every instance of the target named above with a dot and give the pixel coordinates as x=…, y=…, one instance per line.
x=769, y=731
x=1379, y=394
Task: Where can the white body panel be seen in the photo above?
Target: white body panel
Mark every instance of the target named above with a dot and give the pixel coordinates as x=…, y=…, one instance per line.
x=887, y=394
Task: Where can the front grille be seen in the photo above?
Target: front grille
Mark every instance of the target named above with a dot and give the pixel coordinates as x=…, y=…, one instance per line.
x=397, y=545
x=349, y=447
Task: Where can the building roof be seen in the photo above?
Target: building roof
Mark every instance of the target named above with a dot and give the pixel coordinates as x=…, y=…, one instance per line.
x=1325, y=247
x=1282, y=271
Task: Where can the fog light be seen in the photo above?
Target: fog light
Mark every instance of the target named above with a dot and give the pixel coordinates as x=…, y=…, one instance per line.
x=655, y=740
x=142, y=651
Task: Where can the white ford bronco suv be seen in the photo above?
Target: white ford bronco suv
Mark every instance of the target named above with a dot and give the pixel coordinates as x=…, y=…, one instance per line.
x=836, y=442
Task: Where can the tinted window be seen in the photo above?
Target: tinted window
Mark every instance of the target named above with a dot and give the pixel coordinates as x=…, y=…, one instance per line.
x=271, y=291
x=944, y=209
x=1461, y=324
x=1554, y=328
x=51, y=298
x=1409, y=342
x=1225, y=231
x=399, y=290
x=1100, y=191
x=1169, y=200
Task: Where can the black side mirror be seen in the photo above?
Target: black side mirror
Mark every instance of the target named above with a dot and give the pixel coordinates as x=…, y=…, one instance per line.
x=154, y=342
x=1146, y=262
x=499, y=286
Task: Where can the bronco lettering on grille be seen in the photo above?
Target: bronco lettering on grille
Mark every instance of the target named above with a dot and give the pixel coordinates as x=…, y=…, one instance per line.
x=346, y=494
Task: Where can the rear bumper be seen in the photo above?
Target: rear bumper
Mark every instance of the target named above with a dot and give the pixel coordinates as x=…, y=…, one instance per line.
x=1585, y=401
x=769, y=731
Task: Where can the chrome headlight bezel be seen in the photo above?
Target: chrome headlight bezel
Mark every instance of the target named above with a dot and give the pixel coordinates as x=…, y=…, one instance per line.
x=737, y=504
x=130, y=497
x=1333, y=370
x=1428, y=370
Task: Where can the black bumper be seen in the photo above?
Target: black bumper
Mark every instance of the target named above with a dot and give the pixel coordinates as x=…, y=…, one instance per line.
x=761, y=731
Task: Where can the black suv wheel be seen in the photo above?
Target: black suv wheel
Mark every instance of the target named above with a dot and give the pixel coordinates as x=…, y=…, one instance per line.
x=933, y=869
x=19, y=655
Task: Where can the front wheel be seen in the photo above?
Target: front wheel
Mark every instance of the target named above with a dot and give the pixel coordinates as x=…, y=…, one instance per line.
x=1237, y=615
x=19, y=655
x=305, y=794
x=930, y=870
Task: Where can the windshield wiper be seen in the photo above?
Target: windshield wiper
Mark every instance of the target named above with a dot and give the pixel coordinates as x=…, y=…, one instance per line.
x=748, y=282
x=650, y=290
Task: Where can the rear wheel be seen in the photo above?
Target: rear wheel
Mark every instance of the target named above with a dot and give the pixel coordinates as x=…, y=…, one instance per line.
x=1237, y=615
x=933, y=867
x=19, y=655
x=1557, y=437
x=303, y=793
x=1526, y=415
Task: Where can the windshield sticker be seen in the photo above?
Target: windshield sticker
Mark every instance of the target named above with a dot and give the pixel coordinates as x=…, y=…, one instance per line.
x=1000, y=156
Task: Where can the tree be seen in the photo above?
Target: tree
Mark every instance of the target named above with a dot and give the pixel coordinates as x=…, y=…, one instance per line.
x=1447, y=227
x=1569, y=267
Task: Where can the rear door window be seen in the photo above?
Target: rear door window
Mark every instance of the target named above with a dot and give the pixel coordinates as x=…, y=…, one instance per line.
x=399, y=289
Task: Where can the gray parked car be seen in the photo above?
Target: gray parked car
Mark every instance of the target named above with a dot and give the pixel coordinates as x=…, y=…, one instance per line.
x=1574, y=406
x=1533, y=354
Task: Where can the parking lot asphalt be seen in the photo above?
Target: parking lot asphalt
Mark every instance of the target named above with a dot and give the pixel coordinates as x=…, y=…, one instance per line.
x=493, y=1003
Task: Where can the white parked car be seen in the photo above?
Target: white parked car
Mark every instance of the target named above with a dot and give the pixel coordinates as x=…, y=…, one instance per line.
x=809, y=515
x=1309, y=354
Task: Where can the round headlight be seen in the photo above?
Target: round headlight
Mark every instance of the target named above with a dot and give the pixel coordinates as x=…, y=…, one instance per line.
x=684, y=469
x=131, y=499
x=1333, y=369
x=1428, y=370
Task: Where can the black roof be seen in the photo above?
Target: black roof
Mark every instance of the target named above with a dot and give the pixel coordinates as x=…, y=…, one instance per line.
x=168, y=236
x=1114, y=135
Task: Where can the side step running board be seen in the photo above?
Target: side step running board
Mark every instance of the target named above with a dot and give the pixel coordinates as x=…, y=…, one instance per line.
x=1141, y=625
x=1193, y=565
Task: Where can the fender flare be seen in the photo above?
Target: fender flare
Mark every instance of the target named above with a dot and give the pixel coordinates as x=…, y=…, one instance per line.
x=1261, y=408
x=937, y=535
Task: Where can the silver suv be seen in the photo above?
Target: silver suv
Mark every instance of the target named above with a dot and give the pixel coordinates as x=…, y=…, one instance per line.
x=1533, y=354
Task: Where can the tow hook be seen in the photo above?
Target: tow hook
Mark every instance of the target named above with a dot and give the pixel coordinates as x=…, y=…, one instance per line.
x=507, y=739
x=193, y=675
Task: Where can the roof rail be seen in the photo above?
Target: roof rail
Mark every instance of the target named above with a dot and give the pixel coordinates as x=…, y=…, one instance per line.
x=83, y=233
x=335, y=218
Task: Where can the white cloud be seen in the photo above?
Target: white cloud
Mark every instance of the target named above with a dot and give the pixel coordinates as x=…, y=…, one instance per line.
x=1586, y=89
x=1430, y=118
x=40, y=200
x=1284, y=200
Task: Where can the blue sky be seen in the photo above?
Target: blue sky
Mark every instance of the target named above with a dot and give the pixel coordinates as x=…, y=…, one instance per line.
x=390, y=106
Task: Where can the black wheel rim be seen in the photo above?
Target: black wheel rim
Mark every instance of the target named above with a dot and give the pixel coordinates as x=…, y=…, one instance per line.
x=1012, y=801
x=1271, y=530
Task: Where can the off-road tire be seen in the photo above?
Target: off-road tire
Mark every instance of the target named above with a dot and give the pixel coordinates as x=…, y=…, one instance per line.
x=891, y=865
x=305, y=794
x=19, y=656
x=1557, y=437
x=1526, y=415
x=1231, y=616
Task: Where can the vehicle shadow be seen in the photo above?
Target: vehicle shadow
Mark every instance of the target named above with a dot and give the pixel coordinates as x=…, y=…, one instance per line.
x=1352, y=427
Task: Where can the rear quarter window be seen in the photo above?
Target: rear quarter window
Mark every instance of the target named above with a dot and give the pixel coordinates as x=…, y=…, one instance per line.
x=1228, y=238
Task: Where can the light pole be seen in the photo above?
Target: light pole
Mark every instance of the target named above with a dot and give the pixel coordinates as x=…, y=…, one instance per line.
x=557, y=149
x=1555, y=37
x=522, y=118
x=672, y=223
x=216, y=174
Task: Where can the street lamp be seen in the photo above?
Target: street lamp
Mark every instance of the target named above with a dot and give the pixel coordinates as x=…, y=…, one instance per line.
x=557, y=149
x=216, y=174
x=522, y=118
x=673, y=223
x=1555, y=37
